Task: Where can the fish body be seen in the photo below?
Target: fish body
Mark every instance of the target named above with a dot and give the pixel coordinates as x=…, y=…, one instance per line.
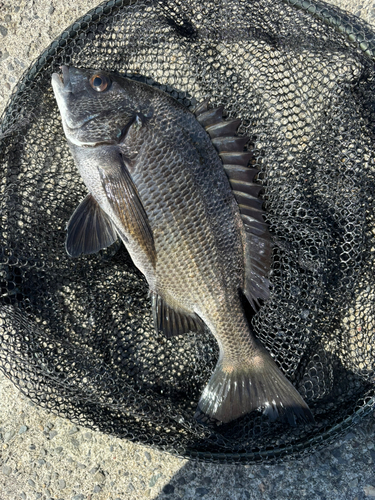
x=192, y=227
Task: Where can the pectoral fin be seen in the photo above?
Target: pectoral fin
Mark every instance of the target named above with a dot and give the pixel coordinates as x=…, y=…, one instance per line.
x=124, y=199
x=89, y=229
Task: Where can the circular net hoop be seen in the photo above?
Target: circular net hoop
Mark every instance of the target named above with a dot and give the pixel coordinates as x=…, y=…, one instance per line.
x=76, y=335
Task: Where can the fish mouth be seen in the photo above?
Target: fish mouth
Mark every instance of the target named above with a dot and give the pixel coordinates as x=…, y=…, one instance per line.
x=62, y=80
x=63, y=90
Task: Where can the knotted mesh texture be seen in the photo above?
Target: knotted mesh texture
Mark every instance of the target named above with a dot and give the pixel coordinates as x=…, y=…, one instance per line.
x=76, y=335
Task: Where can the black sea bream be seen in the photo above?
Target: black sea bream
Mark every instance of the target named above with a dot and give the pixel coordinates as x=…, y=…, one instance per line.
x=190, y=218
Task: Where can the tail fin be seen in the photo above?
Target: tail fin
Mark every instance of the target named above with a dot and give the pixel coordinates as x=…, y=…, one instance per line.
x=234, y=391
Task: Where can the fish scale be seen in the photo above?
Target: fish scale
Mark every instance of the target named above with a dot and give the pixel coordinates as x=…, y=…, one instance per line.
x=198, y=242
x=194, y=208
x=192, y=223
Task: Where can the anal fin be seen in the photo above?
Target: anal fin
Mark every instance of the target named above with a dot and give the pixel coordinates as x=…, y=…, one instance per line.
x=89, y=229
x=172, y=321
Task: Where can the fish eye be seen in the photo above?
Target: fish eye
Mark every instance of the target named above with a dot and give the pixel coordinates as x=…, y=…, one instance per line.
x=99, y=82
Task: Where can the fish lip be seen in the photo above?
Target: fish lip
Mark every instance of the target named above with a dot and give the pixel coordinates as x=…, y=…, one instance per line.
x=62, y=81
x=57, y=80
x=66, y=77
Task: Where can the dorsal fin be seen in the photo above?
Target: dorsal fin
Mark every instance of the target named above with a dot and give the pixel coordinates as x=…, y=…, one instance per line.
x=248, y=200
x=223, y=128
x=239, y=158
x=201, y=107
x=251, y=212
x=246, y=187
x=258, y=247
x=239, y=173
x=228, y=144
x=211, y=116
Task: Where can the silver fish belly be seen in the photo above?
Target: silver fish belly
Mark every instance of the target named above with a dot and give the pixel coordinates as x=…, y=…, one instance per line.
x=190, y=218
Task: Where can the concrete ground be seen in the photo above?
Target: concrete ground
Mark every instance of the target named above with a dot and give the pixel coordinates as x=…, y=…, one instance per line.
x=43, y=456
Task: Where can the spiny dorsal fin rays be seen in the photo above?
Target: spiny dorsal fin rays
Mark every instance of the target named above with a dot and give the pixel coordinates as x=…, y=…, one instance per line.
x=239, y=158
x=240, y=173
x=250, y=201
x=201, y=107
x=252, y=212
x=254, y=226
x=211, y=116
x=223, y=128
x=246, y=187
x=230, y=143
x=235, y=161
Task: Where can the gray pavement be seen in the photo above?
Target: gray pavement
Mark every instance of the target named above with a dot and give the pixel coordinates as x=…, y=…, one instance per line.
x=46, y=457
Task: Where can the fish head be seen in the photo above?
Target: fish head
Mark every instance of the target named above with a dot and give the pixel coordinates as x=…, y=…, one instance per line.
x=97, y=107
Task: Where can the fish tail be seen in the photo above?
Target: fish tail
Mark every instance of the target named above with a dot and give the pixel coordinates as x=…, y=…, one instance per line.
x=237, y=389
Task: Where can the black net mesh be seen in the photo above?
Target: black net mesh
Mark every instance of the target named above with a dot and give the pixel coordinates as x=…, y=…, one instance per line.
x=76, y=335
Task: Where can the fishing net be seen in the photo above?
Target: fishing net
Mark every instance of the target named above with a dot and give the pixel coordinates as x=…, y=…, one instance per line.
x=76, y=335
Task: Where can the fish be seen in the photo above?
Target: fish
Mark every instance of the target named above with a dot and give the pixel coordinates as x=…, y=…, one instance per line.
x=176, y=187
